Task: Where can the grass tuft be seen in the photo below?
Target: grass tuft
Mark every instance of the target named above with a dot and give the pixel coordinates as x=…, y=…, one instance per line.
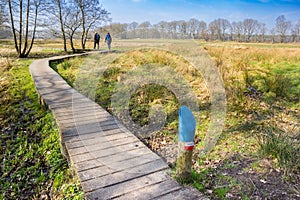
x=282, y=146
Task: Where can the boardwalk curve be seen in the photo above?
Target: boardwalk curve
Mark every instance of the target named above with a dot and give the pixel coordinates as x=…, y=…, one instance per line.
x=110, y=161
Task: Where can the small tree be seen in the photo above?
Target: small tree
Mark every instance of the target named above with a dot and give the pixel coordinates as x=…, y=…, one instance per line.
x=213, y=29
x=250, y=25
x=193, y=24
x=262, y=29
x=132, y=28
x=23, y=19
x=237, y=28
x=72, y=22
x=61, y=7
x=296, y=32
x=282, y=27
x=92, y=13
x=272, y=31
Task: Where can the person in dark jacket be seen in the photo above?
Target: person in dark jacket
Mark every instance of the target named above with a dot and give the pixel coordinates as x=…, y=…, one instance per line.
x=108, y=40
x=96, y=40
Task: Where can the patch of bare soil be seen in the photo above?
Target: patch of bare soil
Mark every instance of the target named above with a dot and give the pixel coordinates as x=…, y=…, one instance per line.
x=255, y=178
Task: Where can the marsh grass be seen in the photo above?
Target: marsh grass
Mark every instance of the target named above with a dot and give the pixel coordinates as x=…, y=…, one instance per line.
x=265, y=75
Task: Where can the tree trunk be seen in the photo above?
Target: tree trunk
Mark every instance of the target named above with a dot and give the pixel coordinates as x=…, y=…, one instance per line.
x=20, y=31
x=62, y=25
x=34, y=31
x=72, y=44
x=83, y=26
x=13, y=26
x=26, y=30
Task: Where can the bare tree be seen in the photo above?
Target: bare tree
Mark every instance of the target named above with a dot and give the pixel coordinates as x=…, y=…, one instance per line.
x=272, y=31
x=225, y=25
x=173, y=27
x=250, y=25
x=4, y=28
x=220, y=27
x=183, y=28
x=213, y=29
x=132, y=28
x=3, y=16
x=261, y=31
x=296, y=32
x=193, y=24
x=72, y=22
x=92, y=14
x=23, y=19
x=118, y=29
x=237, y=29
x=144, y=29
x=202, y=30
x=282, y=27
x=163, y=28
x=61, y=6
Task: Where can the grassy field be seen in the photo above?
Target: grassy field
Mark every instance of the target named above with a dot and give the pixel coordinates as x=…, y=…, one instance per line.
x=258, y=153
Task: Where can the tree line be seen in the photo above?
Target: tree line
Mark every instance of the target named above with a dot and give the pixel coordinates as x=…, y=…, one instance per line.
x=53, y=18
x=248, y=30
x=26, y=20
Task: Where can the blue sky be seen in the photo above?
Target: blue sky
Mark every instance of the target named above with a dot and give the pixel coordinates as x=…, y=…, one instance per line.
x=126, y=11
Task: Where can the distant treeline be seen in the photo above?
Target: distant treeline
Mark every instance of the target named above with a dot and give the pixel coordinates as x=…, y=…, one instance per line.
x=248, y=30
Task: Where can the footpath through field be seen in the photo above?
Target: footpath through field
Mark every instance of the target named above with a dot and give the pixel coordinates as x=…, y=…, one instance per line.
x=110, y=161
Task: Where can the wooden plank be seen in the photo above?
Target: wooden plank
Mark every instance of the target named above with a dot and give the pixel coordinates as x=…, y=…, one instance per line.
x=100, y=143
x=92, y=136
x=87, y=120
x=187, y=193
x=70, y=114
x=93, y=132
x=151, y=191
x=71, y=135
x=137, y=159
x=144, y=183
x=157, y=172
x=114, y=150
x=129, y=166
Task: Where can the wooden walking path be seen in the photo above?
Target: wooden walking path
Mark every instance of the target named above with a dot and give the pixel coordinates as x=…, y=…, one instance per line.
x=110, y=162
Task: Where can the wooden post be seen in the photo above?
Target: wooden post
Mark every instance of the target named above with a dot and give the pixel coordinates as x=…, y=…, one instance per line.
x=186, y=135
x=184, y=163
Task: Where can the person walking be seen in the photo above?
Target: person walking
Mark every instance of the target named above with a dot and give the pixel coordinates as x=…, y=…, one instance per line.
x=108, y=40
x=96, y=40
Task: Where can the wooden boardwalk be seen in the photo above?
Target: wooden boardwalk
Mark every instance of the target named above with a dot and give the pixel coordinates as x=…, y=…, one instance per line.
x=110, y=162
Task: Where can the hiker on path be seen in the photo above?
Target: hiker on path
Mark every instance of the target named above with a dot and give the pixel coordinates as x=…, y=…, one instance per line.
x=96, y=40
x=108, y=40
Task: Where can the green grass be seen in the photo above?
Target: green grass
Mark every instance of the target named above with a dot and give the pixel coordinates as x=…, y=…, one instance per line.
x=31, y=163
